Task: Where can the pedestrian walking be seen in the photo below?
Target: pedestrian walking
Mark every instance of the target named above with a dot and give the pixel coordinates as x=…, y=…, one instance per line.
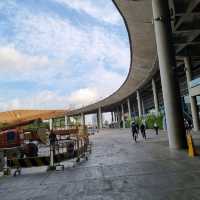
x=187, y=126
x=134, y=131
x=143, y=130
x=156, y=128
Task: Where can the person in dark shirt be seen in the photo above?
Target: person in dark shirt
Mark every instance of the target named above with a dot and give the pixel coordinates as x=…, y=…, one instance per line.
x=155, y=126
x=143, y=130
x=52, y=138
x=134, y=130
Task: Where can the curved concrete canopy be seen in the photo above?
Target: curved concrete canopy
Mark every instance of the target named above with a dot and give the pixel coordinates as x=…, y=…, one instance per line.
x=143, y=52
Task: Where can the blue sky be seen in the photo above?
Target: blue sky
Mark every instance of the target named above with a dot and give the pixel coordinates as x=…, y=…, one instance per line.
x=60, y=53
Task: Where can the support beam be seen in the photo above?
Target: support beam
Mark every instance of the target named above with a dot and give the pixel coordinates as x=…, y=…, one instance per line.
x=118, y=114
x=123, y=120
x=112, y=116
x=139, y=104
x=97, y=115
x=192, y=5
x=143, y=109
x=99, y=118
x=134, y=109
x=193, y=36
x=115, y=116
x=51, y=124
x=129, y=108
x=155, y=97
x=166, y=57
x=82, y=119
x=66, y=121
x=193, y=100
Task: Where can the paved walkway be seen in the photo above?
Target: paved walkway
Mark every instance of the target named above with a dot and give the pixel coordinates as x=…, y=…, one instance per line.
x=118, y=169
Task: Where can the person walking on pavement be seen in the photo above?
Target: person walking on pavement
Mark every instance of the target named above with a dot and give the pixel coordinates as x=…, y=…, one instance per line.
x=137, y=127
x=143, y=130
x=134, y=131
x=52, y=141
x=187, y=126
x=156, y=127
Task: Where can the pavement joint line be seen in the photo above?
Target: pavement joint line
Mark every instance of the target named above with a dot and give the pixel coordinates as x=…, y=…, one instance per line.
x=105, y=178
x=140, y=189
x=136, y=162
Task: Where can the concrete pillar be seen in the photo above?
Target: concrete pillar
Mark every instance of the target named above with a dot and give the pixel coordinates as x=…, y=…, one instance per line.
x=123, y=120
x=66, y=121
x=129, y=108
x=193, y=100
x=82, y=119
x=143, y=109
x=166, y=57
x=97, y=114
x=139, y=104
x=99, y=119
x=134, y=110
x=50, y=124
x=112, y=116
x=155, y=97
x=118, y=114
x=115, y=117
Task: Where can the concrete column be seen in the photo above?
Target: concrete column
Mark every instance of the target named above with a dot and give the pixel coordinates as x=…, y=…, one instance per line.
x=112, y=116
x=155, y=97
x=139, y=104
x=82, y=119
x=143, y=109
x=129, y=108
x=50, y=124
x=134, y=110
x=100, y=125
x=66, y=121
x=118, y=114
x=97, y=114
x=166, y=57
x=123, y=120
x=115, y=117
x=193, y=100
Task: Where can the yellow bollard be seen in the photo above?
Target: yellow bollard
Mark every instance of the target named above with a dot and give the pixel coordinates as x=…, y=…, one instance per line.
x=191, y=148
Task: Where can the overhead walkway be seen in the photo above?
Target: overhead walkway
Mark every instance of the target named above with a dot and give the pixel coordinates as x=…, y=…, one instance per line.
x=118, y=169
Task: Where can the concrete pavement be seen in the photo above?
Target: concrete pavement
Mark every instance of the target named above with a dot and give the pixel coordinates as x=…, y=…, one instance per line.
x=117, y=169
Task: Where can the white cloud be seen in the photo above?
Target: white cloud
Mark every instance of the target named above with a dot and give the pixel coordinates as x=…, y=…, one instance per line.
x=16, y=65
x=54, y=41
x=83, y=96
x=107, y=14
x=65, y=40
x=104, y=45
x=105, y=82
x=101, y=84
x=12, y=59
x=49, y=99
x=43, y=99
x=62, y=40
